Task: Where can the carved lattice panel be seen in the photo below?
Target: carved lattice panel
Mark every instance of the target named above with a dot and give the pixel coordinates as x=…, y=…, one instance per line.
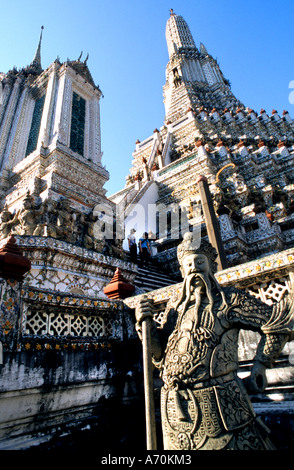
x=78, y=325
x=63, y=324
x=272, y=291
x=37, y=324
x=58, y=324
x=96, y=326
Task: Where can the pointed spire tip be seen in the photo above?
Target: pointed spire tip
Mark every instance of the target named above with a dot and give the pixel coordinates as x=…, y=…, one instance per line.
x=37, y=58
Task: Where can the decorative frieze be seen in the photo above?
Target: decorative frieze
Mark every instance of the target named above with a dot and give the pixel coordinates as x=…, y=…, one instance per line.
x=59, y=324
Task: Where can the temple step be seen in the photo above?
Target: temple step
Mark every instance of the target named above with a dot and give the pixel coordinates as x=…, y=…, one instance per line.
x=151, y=277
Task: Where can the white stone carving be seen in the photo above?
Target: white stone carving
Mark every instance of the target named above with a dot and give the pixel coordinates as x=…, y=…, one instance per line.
x=63, y=324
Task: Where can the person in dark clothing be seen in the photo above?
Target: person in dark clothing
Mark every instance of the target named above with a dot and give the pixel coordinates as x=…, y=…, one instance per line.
x=145, y=251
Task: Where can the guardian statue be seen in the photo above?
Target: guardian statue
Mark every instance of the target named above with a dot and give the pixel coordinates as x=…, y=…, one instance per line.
x=204, y=404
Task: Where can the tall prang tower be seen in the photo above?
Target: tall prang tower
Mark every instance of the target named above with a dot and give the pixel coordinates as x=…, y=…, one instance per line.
x=193, y=77
x=52, y=177
x=246, y=156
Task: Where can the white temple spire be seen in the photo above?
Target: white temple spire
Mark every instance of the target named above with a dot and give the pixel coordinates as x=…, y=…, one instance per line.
x=37, y=59
x=178, y=34
x=192, y=76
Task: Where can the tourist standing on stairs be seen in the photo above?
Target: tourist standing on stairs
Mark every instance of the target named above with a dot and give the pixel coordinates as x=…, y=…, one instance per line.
x=145, y=250
x=132, y=246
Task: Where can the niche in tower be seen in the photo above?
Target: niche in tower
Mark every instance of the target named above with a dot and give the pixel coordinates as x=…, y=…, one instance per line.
x=177, y=77
x=77, y=131
x=35, y=126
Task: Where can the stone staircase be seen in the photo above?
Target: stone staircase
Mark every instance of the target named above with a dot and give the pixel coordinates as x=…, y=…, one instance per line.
x=152, y=277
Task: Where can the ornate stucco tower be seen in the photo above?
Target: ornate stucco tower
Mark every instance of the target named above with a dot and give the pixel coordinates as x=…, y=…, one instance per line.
x=50, y=139
x=52, y=178
x=247, y=158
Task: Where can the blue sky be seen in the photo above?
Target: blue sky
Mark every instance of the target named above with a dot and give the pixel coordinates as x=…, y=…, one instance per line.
x=252, y=41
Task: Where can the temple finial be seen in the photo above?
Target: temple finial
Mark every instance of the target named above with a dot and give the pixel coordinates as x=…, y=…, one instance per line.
x=171, y=12
x=203, y=49
x=37, y=59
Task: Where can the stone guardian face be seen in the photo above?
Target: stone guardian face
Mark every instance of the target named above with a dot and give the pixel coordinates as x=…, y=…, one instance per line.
x=196, y=263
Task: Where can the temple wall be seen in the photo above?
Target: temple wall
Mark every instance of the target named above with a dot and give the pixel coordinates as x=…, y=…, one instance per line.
x=59, y=266
x=67, y=363
x=46, y=395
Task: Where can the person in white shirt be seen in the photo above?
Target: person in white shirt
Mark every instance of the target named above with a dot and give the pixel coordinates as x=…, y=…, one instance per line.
x=132, y=246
